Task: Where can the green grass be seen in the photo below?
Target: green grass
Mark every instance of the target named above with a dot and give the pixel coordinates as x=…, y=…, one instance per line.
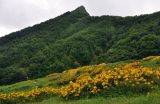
x=152, y=63
x=115, y=64
x=147, y=63
x=150, y=98
x=26, y=85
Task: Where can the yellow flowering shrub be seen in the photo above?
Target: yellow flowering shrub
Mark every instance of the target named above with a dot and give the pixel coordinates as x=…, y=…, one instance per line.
x=67, y=76
x=73, y=74
x=130, y=76
x=27, y=96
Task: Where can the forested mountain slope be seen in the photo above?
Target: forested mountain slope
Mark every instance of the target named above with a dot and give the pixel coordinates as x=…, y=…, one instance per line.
x=76, y=39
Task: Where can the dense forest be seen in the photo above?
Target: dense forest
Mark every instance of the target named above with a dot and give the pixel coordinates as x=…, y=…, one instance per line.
x=76, y=39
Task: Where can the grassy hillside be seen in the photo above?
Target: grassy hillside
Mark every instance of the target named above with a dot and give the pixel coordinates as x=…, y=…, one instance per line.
x=126, y=94
x=151, y=98
x=76, y=39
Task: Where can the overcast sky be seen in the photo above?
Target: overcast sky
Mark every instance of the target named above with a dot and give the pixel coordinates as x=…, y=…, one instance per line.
x=18, y=14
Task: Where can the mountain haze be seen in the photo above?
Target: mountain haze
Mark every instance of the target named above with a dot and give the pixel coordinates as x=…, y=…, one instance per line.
x=76, y=39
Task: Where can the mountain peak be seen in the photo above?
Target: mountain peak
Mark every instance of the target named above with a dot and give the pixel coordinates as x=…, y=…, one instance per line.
x=81, y=8
x=81, y=11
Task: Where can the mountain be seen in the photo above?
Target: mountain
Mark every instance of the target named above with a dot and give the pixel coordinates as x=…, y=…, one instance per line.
x=76, y=39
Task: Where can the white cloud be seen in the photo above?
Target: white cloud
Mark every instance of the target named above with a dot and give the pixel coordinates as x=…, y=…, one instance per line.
x=5, y=31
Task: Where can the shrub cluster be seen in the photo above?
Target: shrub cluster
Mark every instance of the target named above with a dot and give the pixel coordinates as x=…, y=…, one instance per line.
x=130, y=77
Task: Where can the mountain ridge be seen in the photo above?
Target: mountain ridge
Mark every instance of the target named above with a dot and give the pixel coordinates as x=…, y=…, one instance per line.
x=76, y=39
x=80, y=9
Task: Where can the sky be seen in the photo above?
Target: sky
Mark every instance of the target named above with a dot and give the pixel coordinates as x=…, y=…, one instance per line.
x=18, y=14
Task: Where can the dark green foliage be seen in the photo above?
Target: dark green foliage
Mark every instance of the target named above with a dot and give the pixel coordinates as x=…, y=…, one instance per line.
x=10, y=76
x=75, y=39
